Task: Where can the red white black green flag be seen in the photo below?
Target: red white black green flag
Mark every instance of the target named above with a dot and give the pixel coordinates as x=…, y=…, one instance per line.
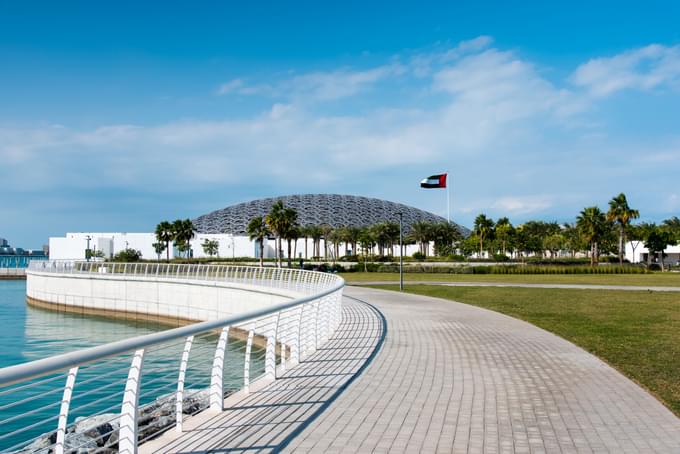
x=434, y=181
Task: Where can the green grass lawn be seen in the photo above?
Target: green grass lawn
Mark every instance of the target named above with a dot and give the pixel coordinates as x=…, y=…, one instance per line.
x=652, y=279
x=636, y=332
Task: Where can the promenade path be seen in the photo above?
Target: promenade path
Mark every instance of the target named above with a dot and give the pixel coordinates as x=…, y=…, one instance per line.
x=439, y=376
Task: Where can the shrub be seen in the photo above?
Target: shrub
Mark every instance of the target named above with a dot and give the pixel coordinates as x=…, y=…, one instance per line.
x=127, y=255
x=418, y=256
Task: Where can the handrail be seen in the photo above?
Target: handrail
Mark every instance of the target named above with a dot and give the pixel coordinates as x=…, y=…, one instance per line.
x=291, y=330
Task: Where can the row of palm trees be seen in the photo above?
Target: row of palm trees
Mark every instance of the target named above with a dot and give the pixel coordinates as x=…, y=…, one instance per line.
x=180, y=233
x=594, y=232
x=281, y=223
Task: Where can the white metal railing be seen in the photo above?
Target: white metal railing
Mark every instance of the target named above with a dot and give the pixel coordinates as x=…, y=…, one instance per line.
x=132, y=390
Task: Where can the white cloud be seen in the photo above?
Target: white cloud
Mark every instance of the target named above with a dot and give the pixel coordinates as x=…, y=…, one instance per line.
x=644, y=68
x=342, y=83
x=521, y=205
x=230, y=87
x=317, y=86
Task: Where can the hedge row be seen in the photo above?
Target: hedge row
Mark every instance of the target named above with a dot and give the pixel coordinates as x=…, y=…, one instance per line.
x=572, y=269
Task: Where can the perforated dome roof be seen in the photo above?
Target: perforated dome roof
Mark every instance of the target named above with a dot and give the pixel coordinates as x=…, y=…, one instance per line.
x=315, y=209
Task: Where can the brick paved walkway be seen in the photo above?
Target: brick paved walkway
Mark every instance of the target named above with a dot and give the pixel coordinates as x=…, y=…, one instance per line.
x=448, y=378
x=456, y=378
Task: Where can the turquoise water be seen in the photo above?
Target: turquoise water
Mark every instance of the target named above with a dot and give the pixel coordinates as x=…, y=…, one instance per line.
x=30, y=333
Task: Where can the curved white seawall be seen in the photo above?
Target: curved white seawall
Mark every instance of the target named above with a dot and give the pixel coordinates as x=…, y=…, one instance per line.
x=130, y=296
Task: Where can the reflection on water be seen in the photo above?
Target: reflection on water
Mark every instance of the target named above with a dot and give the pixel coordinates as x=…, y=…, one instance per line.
x=30, y=333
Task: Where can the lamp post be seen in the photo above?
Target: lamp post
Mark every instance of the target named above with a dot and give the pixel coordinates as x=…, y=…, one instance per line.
x=87, y=251
x=401, y=251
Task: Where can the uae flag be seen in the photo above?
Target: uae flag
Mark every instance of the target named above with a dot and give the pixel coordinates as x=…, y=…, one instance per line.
x=434, y=181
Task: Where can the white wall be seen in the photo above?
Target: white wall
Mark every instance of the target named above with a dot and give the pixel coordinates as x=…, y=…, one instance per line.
x=73, y=245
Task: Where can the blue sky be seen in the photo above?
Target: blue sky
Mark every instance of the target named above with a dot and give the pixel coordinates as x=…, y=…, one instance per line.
x=114, y=117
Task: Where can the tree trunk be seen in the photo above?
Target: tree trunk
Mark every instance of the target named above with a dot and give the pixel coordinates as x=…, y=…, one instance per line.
x=621, y=233
x=261, y=252
x=305, y=248
x=279, y=251
x=289, y=249
x=167, y=250
x=661, y=259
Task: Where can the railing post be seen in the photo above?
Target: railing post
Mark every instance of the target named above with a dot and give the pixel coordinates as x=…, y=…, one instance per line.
x=63, y=411
x=316, y=324
x=217, y=375
x=127, y=443
x=246, y=363
x=297, y=345
x=270, y=353
x=179, y=404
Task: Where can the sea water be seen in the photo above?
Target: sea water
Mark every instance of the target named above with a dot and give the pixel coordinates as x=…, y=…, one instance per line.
x=28, y=333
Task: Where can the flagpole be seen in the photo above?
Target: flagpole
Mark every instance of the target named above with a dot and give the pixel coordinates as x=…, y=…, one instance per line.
x=448, y=199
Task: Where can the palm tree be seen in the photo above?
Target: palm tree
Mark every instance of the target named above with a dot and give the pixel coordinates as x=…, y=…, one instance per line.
x=276, y=223
x=325, y=232
x=303, y=231
x=353, y=238
x=158, y=247
x=621, y=213
x=592, y=223
x=315, y=232
x=257, y=230
x=165, y=234
x=504, y=231
x=184, y=233
x=421, y=233
x=483, y=228
x=289, y=229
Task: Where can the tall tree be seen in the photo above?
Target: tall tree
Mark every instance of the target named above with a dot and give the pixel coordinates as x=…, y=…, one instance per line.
x=421, y=233
x=289, y=229
x=444, y=234
x=353, y=238
x=483, y=228
x=276, y=221
x=621, y=213
x=504, y=232
x=184, y=232
x=257, y=230
x=657, y=241
x=325, y=233
x=303, y=231
x=158, y=247
x=165, y=233
x=592, y=223
x=316, y=233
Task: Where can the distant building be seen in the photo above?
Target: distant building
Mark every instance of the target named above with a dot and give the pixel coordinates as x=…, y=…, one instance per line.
x=3, y=242
x=640, y=254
